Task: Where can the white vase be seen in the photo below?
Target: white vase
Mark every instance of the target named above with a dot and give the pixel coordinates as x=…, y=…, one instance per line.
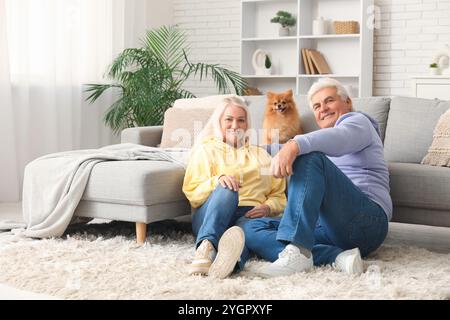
x=320, y=26
x=283, y=31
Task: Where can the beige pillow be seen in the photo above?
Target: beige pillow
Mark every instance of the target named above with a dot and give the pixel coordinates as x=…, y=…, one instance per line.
x=181, y=126
x=439, y=152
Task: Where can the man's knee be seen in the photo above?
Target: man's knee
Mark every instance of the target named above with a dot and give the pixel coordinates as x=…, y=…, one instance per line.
x=252, y=227
x=306, y=159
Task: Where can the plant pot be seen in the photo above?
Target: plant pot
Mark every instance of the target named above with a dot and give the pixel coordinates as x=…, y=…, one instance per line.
x=283, y=31
x=434, y=71
x=267, y=71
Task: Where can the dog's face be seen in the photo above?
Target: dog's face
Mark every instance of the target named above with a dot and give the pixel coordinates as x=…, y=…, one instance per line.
x=280, y=102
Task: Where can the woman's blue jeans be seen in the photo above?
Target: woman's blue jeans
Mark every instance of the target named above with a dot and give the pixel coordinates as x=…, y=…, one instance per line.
x=325, y=213
x=216, y=215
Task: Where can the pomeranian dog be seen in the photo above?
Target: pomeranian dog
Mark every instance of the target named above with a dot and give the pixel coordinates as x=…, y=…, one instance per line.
x=281, y=118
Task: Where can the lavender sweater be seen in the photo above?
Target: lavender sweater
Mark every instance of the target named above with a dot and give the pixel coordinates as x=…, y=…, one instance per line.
x=354, y=146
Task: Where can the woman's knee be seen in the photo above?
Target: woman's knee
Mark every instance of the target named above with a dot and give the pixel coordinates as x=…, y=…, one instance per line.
x=226, y=196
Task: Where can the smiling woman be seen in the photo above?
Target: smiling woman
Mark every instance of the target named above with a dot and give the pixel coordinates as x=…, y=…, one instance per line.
x=50, y=49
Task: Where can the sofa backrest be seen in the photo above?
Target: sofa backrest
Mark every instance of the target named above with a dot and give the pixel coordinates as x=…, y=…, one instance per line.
x=410, y=127
x=377, y=107
x=185, y=109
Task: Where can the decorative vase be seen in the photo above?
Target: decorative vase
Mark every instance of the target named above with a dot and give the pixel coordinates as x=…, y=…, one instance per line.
x=283, y=31
x=258, y=61
x=319, y=26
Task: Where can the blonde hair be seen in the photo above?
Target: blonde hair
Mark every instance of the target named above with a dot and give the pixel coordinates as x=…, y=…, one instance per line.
x=328, y=83
x=213, y=128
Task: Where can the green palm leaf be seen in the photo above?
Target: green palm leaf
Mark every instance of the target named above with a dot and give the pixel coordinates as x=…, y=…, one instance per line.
x=151, y=78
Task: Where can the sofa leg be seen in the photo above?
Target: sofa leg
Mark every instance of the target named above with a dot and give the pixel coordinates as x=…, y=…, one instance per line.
x=141, y=232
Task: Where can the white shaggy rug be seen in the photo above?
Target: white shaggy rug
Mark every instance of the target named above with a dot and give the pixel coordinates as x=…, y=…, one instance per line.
x=102, y=261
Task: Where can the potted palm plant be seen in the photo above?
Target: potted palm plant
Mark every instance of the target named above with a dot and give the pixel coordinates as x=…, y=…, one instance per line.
x=150, y=78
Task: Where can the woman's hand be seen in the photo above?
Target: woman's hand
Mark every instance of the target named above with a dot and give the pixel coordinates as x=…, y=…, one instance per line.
x=261, y=211
x=229, y=182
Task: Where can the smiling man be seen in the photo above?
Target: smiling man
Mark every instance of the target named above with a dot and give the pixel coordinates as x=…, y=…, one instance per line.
x=338, y=197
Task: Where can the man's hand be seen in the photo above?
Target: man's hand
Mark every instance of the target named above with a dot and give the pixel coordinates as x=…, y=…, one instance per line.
x=229, y=182
x=263, y=210
x=281, y=165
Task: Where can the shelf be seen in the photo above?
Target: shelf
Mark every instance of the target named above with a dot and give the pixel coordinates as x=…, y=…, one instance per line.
x=325, y=36
x=268, y=1
x=331, y=36
x=349, y=56
x=443, y=76
x=270, y=39
x=269, y=76
x=330, y=75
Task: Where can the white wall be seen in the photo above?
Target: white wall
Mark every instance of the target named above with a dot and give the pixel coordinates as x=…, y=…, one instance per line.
x=159, y=12
x=411, y=31
x=213, y=28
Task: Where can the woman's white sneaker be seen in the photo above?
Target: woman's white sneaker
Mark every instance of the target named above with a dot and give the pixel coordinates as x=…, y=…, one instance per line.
x=204, y=256
x=350, y=262
x=289, y=261
x=229, y=252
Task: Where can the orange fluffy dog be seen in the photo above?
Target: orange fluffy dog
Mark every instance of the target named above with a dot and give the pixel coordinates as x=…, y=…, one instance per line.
x=281, y=114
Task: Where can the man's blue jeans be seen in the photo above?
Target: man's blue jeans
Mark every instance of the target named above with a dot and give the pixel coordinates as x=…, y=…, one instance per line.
x=325, y=213
x=216, y=215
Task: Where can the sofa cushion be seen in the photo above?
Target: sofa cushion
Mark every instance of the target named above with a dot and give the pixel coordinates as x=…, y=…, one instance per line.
x=417, y=185
x=410, y=126
x=141, y=182
x=439, y=151
x=209, y=102
x=181, y=126
x=377, y=108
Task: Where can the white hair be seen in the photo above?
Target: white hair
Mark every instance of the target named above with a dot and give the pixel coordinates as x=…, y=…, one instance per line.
x=212, y=127
x=328, y=83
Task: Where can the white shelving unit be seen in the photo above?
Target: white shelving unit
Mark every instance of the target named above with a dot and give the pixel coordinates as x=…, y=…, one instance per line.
x=350, y=56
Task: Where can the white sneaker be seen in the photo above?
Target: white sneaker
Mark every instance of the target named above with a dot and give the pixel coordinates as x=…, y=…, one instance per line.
x=350, y=262
x=289, y=261
x=229, y=251
x=204, y=256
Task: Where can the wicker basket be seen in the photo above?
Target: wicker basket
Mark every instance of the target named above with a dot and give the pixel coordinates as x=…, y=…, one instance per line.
x=344, y=27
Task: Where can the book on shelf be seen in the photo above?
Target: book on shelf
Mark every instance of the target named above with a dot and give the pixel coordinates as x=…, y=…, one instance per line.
x=314, y=62
x=305, y=61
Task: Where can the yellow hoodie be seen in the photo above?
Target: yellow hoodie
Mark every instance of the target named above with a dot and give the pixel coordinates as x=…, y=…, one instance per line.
x=250, y=165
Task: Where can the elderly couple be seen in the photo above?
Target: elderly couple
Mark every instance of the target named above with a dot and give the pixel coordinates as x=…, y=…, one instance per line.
x=338, y=203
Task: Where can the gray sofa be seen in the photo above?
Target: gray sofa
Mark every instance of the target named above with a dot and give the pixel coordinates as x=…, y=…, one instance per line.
x=148, y=191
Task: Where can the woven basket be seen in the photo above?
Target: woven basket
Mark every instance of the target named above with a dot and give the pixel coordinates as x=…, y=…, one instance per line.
x=344, y=27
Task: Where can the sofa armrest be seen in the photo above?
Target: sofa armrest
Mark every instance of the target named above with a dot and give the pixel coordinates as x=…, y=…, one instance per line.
x=147, y=136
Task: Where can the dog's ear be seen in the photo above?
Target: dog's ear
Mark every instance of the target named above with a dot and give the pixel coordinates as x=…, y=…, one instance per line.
x=290, y=93
x=270, y=94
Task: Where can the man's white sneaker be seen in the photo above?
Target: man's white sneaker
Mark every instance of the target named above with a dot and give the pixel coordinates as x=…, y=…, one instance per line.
x=350, y=261
x=289, y=261
x=229, y=251
x=204, y=256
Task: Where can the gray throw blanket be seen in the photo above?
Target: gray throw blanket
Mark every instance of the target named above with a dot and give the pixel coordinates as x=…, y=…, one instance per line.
x=54, y=184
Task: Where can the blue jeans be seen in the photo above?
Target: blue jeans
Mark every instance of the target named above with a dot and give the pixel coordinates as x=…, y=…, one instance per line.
x=216, y=215
x=325, y=213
